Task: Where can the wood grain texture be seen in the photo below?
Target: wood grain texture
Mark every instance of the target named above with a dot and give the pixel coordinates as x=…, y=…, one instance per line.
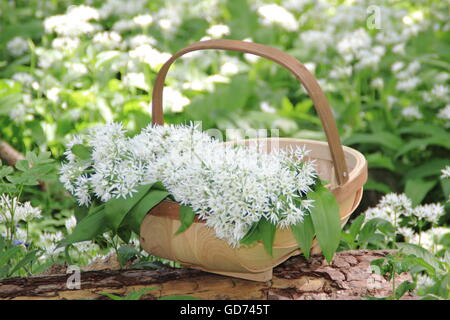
x=198, y=247
x=348, y=277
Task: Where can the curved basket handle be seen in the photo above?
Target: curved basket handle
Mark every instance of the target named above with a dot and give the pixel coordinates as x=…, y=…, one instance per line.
x=285, y=60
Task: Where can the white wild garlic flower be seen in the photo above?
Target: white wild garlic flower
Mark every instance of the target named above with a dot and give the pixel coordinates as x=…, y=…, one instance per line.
x=17, y=46
x=11, y=210
x=274, y=14
x=230, y=187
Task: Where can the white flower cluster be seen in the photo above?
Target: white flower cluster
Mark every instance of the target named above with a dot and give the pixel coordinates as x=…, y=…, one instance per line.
x=445, y=173
x=275, y=14
x=13, y=211
x=398, y=210
x=17, y=46
x=394, y=207
x=231, y=187
x=75, y=22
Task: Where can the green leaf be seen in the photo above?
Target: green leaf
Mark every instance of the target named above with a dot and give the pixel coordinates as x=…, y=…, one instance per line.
x=263, y=231
x=30, y=257
x=417, y=189
x=245, y=20
x=378, y=160
x=422, y=144
x=116, y=209
x=385, y=139
x=126, y=253
x=430, y=168
x=4, y=171
x=377, y=186
x=134, y=218
x=304, y=234
x=267, y=232
x=133, y=295
x=9, y=254
x=251, y=236
x=425, y=129
x=88, y=228
x=80, y=212
x=445, y=184
x=356, y=225
x=420, y=252
x=187, y=216
x=148, y=265
x=326, y=220
x=81, y=151
x=136, y=295
x=370, y=227
x=179, y=298
x=22, y=165
x=112, y=296
x=403, y=288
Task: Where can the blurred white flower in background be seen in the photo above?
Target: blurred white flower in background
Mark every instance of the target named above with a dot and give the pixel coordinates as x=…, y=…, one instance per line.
x=169, y=18
x=20, y=114
x=218, y=31
x=24, y=78
x=174, y=101
x=139, y=40
x=412, y=112
x=143, y=20
x=274, y=14
x=121, y=8
x=311, y=66
x=320, y=40
x=53, y=94
x=149, y=55
x=136, y=80
x=75, y=22
x=397, y=66
x=49, y=242
x=76, y=68
x=440, y=92
x=66, y=43
x=424, y=282
x=341, y=72
x=266, y=107
x=352, y=44
x=47, y=57
x=17, y=46
x=124, y=25
x=107, y=40
x=377, y=83
x=445, y=173
x=408, y=84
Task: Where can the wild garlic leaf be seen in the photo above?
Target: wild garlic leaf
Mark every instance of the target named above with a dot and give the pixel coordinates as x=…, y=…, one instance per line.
x=304, y=234
x=326, y=220
x=187, y=216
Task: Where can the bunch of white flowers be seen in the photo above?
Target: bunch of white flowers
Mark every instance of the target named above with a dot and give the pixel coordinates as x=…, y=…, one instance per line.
x=13, y=211
x=17, y=46
x=230, y=187
x=399, y=211
x=395, y=207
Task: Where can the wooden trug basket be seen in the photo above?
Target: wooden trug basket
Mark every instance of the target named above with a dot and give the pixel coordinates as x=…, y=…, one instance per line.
x=198, y=247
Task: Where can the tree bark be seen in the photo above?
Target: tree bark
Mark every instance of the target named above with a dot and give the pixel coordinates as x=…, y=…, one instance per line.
x=348, y=277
